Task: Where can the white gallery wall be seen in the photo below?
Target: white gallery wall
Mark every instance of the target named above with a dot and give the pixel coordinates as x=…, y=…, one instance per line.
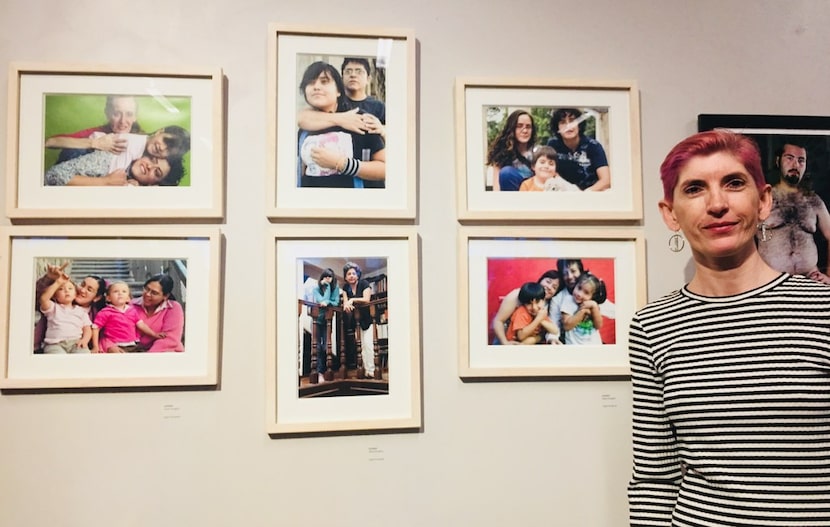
x=489, y=454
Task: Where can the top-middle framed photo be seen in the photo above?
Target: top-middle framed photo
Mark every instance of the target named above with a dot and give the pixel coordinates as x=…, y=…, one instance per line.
x=341, y=108
x=530, y=149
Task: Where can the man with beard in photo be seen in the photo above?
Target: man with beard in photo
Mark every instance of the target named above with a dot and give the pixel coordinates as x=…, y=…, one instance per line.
x=786, y=240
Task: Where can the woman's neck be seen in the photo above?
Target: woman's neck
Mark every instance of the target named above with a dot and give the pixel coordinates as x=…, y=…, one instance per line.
x=716, y=279
x=571, y=143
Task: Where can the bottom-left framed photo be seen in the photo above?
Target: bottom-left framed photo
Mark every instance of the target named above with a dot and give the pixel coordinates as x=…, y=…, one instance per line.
x=109, y=307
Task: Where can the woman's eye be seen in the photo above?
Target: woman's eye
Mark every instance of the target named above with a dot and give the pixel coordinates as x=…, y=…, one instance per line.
x=736, y=183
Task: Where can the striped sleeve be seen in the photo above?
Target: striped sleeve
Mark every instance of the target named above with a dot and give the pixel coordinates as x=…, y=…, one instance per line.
x=655, y=482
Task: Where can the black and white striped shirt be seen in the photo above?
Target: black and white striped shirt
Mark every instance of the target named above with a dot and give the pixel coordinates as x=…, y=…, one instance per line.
x=732, y=408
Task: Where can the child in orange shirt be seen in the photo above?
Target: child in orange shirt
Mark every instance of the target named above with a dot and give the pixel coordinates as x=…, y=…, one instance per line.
x=530, y=323
x=545, y=176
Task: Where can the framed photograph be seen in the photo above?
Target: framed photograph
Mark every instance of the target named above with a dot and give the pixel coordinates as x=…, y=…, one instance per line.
x=114, y=142
x=343, y=335
x=795, y=157
x=584, y=136
x=342, y=127
x=107, y=307
x=548, y=302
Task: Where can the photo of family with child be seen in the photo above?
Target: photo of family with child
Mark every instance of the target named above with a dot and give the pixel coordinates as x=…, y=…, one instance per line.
x=116, y=140
x=109, y=306
x=551, y=301
x=341, y=122
x=546, y=149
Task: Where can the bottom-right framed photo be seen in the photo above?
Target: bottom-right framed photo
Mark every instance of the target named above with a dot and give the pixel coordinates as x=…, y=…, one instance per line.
x=543, y=302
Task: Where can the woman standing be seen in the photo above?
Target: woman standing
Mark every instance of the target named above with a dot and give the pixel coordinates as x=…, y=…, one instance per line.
x=160, y=311
x=510, y=152
x=731, y=373
x=357, y=293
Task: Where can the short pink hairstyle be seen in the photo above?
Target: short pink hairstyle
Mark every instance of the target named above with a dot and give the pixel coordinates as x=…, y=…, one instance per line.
x=707, y=143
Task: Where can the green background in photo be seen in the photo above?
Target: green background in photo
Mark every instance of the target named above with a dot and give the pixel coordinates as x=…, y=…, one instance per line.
x=69, y=113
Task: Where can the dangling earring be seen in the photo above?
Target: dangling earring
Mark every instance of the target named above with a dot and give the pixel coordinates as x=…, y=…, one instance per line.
x=765, y=235
x=676, y=242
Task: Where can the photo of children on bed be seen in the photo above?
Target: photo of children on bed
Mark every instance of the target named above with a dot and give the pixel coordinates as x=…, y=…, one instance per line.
x=116, y=140
x=546, y=149
x=550, y=301
x=109, y=305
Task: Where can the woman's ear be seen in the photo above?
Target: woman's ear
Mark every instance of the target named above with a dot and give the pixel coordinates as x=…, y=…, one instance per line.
x=765, y=204
x=667, y=211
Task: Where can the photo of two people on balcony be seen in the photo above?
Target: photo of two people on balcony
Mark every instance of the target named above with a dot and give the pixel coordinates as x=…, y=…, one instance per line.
x=343, y=327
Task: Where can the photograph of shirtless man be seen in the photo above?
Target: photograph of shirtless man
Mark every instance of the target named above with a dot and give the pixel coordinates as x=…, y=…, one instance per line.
x=787, y=240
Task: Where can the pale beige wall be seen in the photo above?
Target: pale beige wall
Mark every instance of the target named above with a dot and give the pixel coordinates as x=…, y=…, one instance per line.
x=490, y=454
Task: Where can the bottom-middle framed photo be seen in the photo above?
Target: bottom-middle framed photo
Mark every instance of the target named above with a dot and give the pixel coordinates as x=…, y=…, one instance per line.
x=343, y=331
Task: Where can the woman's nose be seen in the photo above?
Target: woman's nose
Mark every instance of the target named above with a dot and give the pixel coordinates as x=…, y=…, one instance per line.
x=717, y=201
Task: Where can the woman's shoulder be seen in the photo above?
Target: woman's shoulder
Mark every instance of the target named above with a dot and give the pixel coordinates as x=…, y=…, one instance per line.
x=513, y=296
x=667, y=302
x=801, y=285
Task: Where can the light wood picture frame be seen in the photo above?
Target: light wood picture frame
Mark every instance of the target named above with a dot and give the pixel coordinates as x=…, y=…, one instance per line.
x=296, y=183
x=605, y=118
x=384, y=331
x=496, y=262
x=115, y=141
x=183, y=352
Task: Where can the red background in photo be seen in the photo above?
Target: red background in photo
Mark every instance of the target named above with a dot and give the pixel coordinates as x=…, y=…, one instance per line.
x=506, y=274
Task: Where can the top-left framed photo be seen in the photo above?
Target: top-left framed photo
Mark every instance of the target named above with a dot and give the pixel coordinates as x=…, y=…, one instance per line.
x=121, y=142
x=341, y=123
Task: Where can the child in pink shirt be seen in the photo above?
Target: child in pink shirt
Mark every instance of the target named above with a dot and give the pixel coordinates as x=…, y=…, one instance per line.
x=115, y=326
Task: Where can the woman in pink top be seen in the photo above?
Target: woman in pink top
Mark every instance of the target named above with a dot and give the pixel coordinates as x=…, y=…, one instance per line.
x=158, y=309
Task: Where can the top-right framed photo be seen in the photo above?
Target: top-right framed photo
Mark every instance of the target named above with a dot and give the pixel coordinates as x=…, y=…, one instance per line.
x=548, y=149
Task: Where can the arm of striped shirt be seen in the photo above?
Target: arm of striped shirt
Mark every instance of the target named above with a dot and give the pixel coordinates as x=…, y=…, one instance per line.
x=654, y=485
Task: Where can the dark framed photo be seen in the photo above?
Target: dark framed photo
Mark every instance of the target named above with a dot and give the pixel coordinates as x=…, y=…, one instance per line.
x=795, y=157
x=115, y=142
